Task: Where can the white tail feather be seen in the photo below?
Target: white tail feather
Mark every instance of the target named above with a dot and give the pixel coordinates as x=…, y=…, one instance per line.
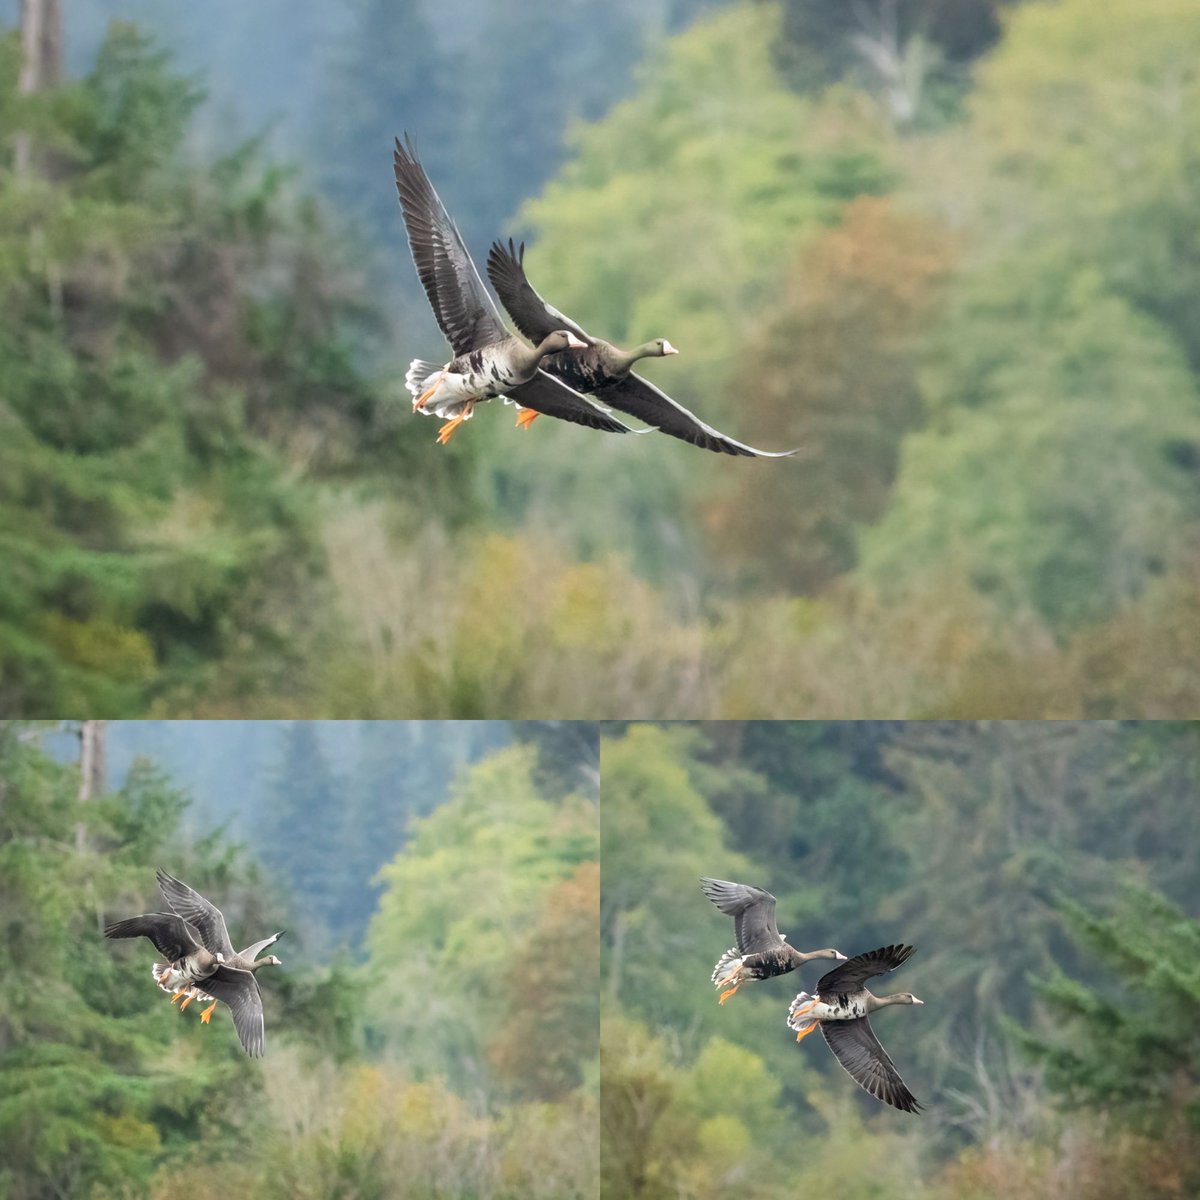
x=726, y=963
x=798, y=1010
x=419, y=372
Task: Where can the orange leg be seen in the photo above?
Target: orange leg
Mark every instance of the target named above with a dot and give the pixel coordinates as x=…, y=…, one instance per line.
x=206, y=1015
x=806, y=1031
x=447, y=430
x=186, y=1001
x=526, y=417
x=735, y=974
x=423, y=398
x=181, y=992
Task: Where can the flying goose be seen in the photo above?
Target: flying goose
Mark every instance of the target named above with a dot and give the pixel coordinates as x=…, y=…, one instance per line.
x=200, y=960
x=840, y=1007
x=600, y=368
x=761, y=951
x=488, y=361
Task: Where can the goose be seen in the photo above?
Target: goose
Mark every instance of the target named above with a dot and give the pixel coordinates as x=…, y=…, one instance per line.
x=209, y=922
x=488, y=360
x=200, y=961
x=840, y=1006
x=761, y=951
x=600, y=368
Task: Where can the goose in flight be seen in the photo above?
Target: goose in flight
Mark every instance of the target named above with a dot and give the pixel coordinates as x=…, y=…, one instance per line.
x=598, y=367
x=488, y=361
x=200, y=962
x=761, y=951
x=840, y=1006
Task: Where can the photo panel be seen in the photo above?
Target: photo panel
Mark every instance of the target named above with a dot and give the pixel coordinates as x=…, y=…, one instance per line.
x=299, y=959
x=1024, y=897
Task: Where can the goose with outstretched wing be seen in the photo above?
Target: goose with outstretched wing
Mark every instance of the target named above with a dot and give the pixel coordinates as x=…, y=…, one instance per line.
x=762, y=951
x=200, y=962
x=840, y=1007
x=600, y=368
x=488, y=361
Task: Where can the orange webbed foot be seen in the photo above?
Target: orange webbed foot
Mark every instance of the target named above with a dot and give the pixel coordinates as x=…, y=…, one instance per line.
x=803, y=1033
x=206, y=1015
x=526, y=417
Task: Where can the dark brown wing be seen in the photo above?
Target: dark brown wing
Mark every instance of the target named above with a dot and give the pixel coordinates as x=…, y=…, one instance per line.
x=530, y=313
x=197, y=911
x=752, y=910
x=547, y=395
x=172, y=936
x=464, y=310
x=239, y=989
x=856, y=1047
x=643, y=400
x=851, y=975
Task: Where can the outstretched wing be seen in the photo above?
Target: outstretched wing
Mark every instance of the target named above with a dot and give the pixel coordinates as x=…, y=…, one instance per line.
x=464, y=310
x=856, y=1047
x=752, y=910
x=239, y=989
x=547, y=395
x=172, y=936
x=201, y=913
x=643, y=400
x=252, y=952
x=530, y=313
x=851, y=975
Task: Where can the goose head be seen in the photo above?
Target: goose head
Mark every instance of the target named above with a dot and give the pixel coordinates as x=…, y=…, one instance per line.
x=836, y=955
x=559, y=340
x=656, y=348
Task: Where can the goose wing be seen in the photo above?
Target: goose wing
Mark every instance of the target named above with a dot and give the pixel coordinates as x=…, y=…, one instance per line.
x=643, y=400
x=201, y=913
x=172, y=936
x=856, y=1047
x=547, y=395
x=752, y=910
x=853, y=974
x=239, y=989
x=252, y=952
x=461, y=304
x=532, y=315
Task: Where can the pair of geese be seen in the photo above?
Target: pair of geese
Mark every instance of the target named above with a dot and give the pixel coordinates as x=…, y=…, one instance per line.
x=200, y=960
x=551, y=376
x=841, y=1004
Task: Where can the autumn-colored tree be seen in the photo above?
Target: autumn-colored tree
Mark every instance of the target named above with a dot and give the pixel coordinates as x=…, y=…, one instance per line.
x=836, y=375
x=552, y=1032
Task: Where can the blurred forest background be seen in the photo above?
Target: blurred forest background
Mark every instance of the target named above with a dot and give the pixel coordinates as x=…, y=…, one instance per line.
x=434, y=1028
x=948, y=247
x=1049, y=877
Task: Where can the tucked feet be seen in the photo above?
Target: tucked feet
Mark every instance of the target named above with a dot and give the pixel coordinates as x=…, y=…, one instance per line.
x=734, y=977
x=447, y=431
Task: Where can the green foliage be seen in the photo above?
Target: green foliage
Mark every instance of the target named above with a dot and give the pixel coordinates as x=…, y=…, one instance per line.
x=177, y=342
x=957, y=837
x=1128, y=1046
x=92, y=1099
x=1030, y=521
x=468, y=893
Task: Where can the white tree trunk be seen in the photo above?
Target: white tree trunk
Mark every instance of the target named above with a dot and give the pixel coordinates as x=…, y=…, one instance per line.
x=41, y=61
x=91, y=770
